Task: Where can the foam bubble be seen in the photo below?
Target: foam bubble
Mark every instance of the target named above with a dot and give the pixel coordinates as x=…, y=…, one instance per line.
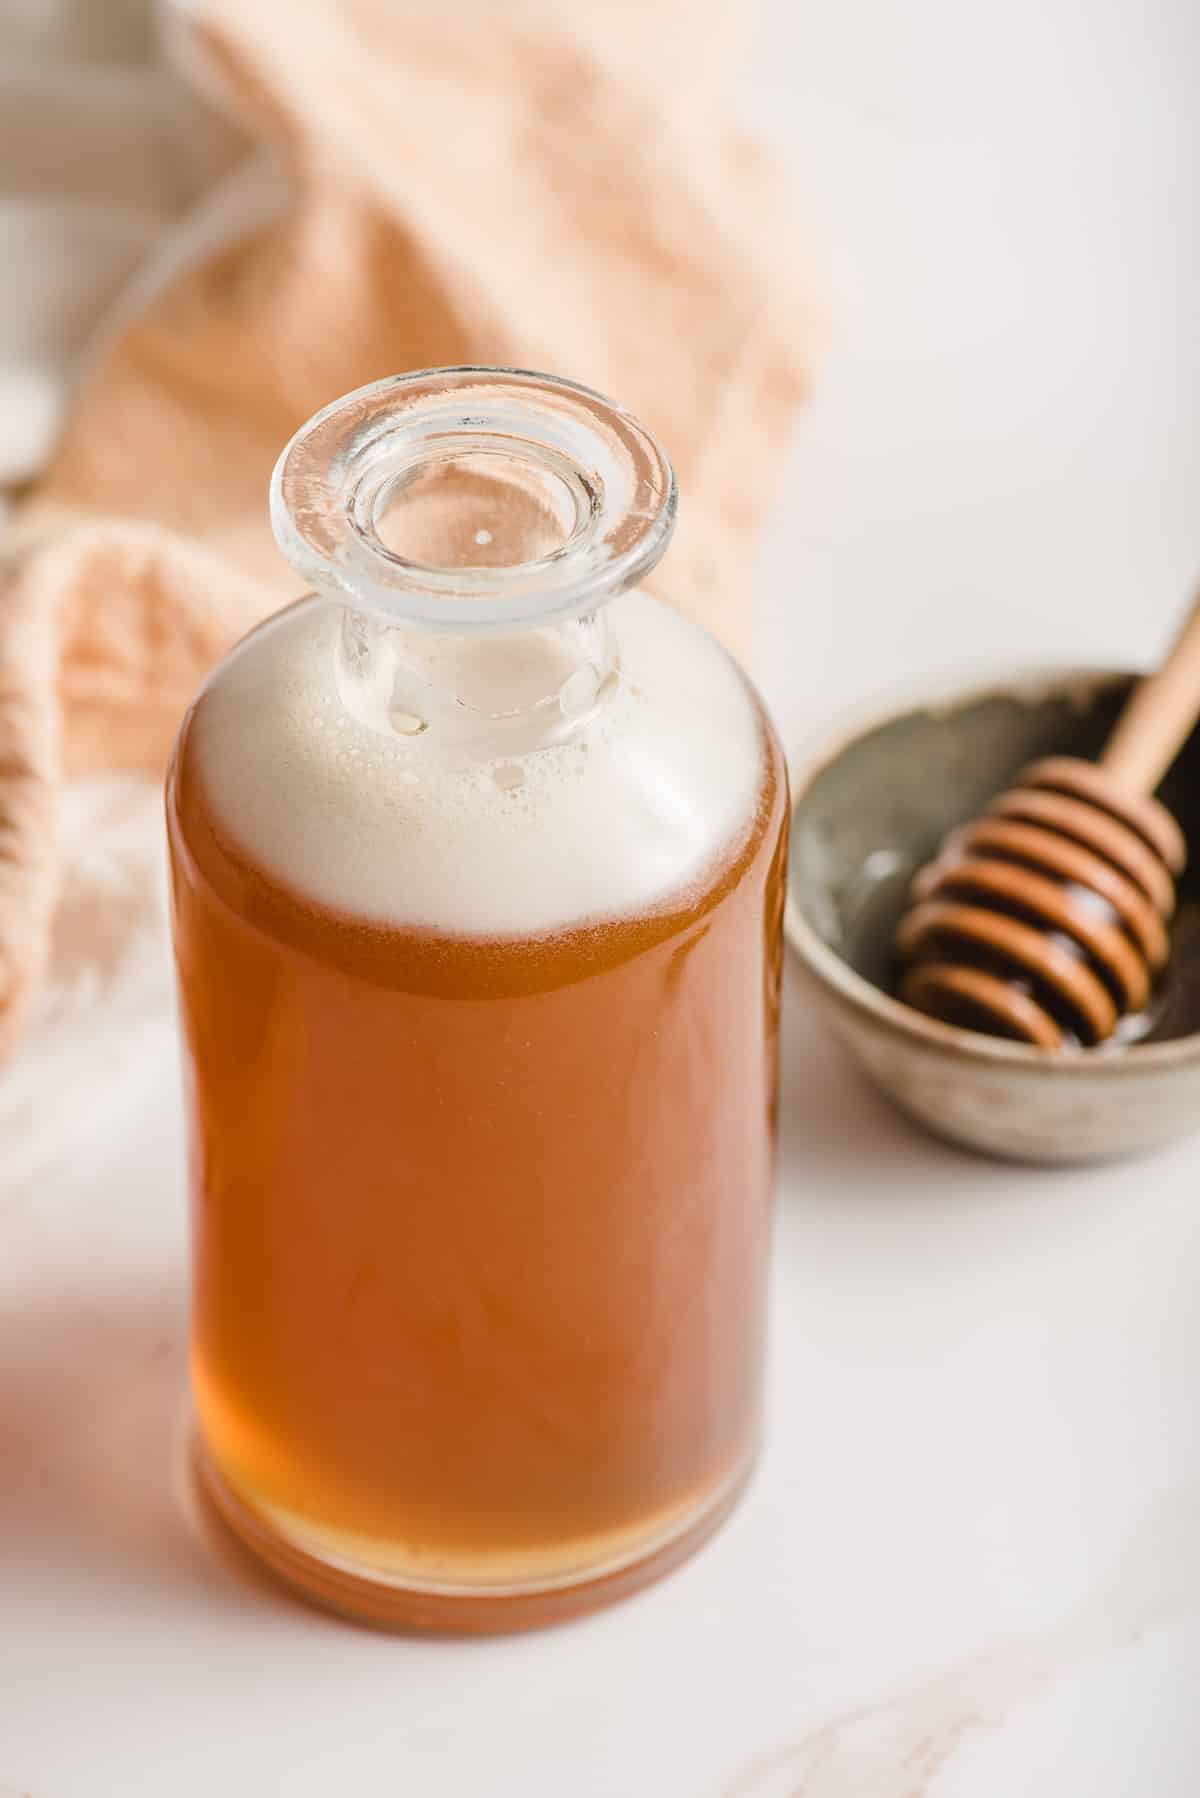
x=653, y=787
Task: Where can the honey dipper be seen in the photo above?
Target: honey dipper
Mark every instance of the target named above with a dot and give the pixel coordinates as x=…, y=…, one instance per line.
x=1045, y=920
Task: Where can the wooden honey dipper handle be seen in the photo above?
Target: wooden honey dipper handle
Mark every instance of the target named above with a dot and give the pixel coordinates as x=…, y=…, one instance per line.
x=1158, y=716
x=1045, y=920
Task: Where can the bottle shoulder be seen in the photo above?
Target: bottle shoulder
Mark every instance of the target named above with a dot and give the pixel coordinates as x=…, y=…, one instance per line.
x=657, y=786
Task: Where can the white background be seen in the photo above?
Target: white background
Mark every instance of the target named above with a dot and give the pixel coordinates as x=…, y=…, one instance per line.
x=970, y=1565
x=1002, y=455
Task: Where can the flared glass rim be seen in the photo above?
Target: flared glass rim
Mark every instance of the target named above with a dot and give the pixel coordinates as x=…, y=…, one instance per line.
x=327, y=483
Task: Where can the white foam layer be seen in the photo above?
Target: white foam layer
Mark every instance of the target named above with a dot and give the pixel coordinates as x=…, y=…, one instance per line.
x=661, y=779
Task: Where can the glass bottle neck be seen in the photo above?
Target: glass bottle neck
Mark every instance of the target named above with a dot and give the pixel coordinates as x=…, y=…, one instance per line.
x=473, y=523
x=479, y=696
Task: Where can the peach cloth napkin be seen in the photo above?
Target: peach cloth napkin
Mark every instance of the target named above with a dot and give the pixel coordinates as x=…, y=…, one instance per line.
x=465, y=181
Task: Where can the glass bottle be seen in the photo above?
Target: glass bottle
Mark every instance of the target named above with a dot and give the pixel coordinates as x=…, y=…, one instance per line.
x=477, y=873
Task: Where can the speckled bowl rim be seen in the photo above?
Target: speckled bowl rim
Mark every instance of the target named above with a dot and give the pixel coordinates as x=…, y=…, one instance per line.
x=953, y=694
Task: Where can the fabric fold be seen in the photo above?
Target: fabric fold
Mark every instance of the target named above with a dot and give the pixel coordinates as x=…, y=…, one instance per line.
x=463, y=183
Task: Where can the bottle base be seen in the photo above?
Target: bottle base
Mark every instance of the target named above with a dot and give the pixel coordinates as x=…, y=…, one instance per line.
x=385, y=1601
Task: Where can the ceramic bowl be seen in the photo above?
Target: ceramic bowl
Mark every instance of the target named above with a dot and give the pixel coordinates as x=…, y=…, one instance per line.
x=870, y=808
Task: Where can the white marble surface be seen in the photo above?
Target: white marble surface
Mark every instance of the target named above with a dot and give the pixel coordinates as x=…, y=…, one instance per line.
x=970, y=1565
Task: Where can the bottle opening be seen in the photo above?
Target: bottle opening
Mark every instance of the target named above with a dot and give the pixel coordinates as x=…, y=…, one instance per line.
x=469, y=499
x=476, y=509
